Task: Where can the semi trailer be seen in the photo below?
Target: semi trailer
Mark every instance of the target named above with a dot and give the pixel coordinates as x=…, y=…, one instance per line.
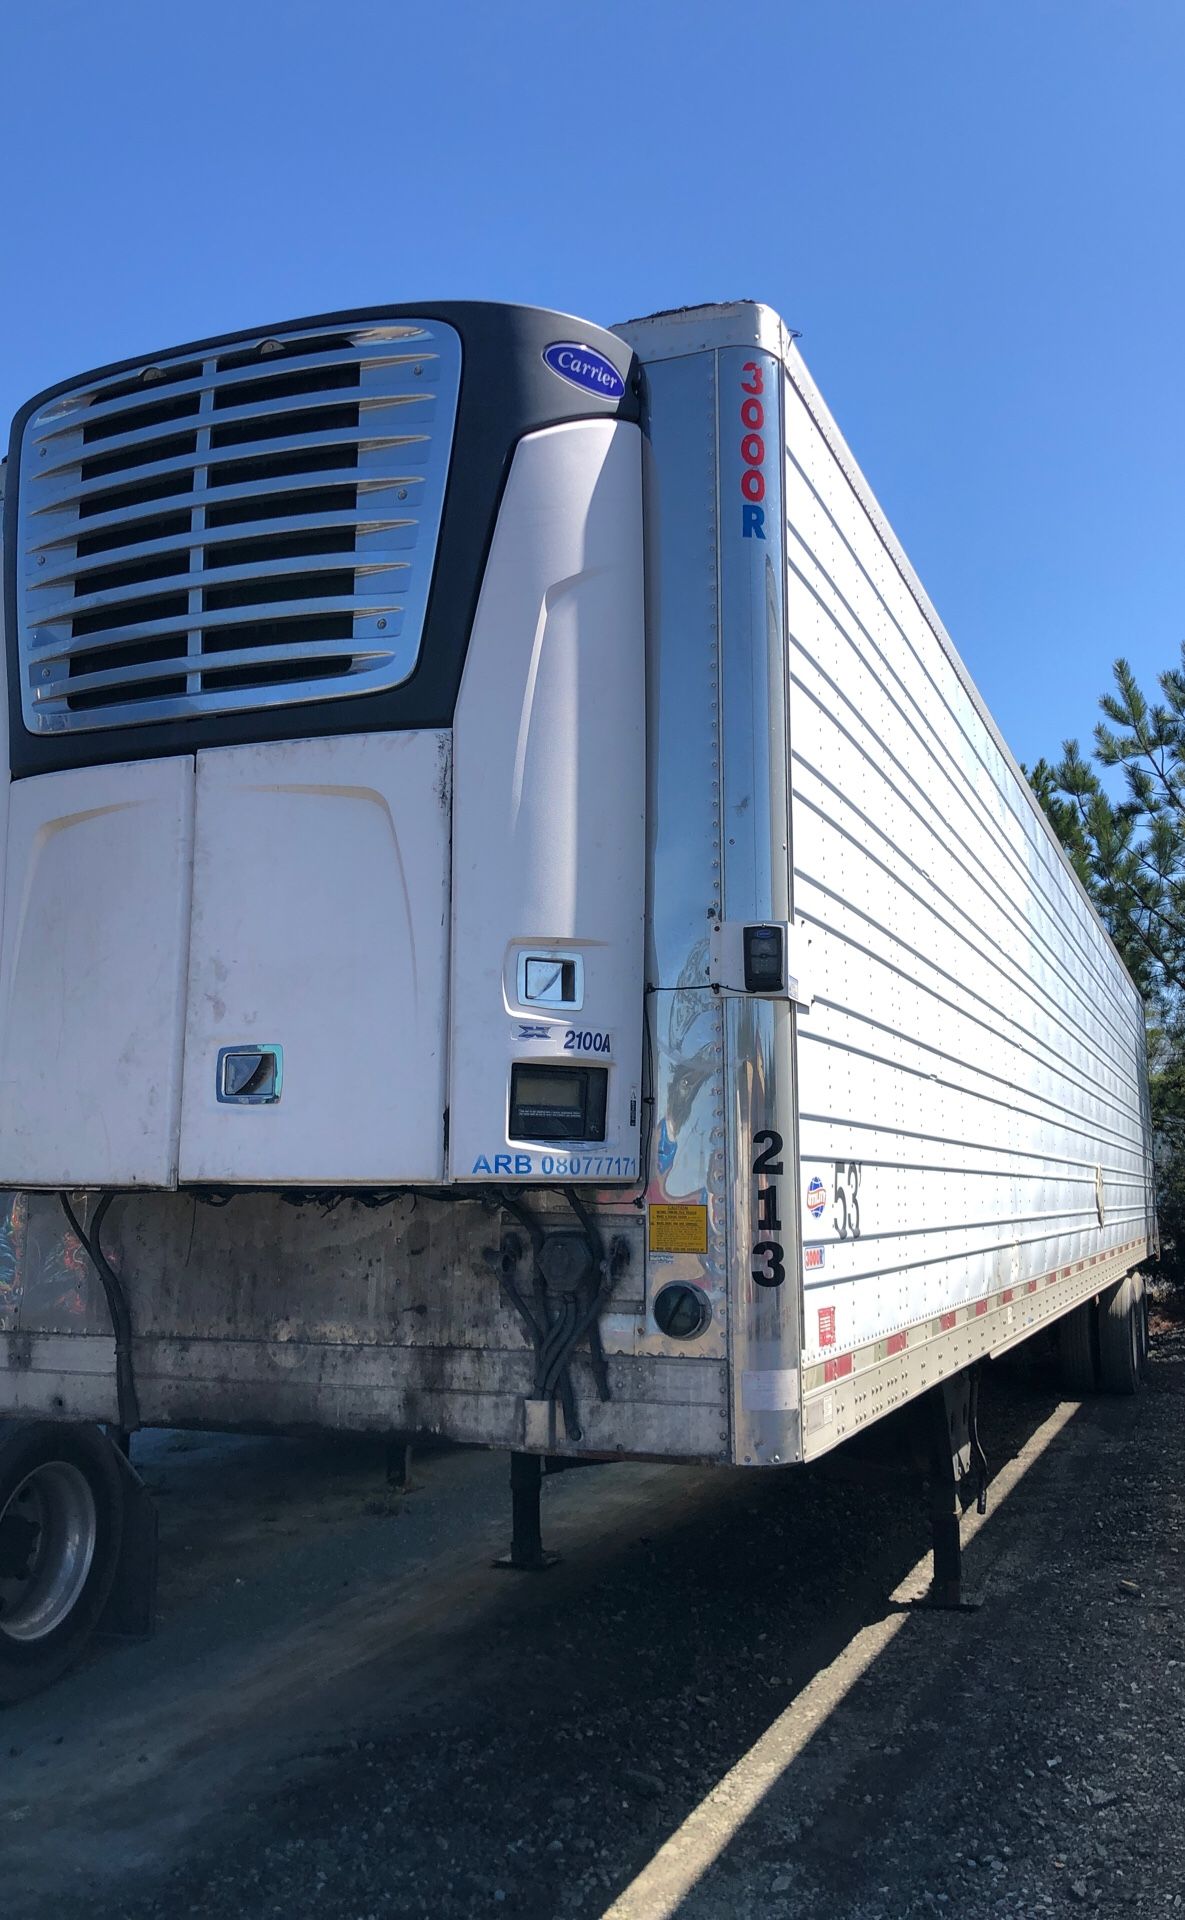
x=517, y=926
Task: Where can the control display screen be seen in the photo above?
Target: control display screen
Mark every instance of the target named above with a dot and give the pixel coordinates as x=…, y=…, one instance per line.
x=558, y=1103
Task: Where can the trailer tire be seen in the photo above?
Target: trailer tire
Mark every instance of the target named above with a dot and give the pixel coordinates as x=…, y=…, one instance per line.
x=1121, y=1342
x=61, y=1529
x=1077, y=1362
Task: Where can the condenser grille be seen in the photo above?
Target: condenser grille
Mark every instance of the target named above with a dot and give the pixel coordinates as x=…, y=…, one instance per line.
x=252, y=525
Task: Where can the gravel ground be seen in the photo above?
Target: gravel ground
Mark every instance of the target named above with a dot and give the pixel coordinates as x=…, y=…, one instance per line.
x=712, y=1708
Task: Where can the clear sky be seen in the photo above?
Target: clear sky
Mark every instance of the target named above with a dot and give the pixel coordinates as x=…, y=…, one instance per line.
x=973, y=209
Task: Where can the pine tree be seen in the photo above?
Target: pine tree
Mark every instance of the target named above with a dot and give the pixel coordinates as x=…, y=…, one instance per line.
x=1129, y=853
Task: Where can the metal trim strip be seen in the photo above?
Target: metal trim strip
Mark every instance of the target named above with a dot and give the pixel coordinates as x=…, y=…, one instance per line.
x=867, y=1386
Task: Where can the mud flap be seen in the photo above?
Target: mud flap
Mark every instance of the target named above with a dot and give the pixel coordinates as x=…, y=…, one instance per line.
x=130, y=1612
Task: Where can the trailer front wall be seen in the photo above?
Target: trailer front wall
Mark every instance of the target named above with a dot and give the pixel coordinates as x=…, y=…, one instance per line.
x=975, y=1148
x=332, y=1315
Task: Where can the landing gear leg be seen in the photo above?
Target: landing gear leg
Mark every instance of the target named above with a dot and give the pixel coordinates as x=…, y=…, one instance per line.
x=399, y=1461
x=527, y=1553
x=957, y=1469
x=946, y=1586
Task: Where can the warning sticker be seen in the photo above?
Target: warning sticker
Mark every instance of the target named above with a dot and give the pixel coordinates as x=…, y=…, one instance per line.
x=682, y=1229
x=826, y=1326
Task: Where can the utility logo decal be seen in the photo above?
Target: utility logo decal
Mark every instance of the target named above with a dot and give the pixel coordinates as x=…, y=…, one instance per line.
x=584, y=367
x=816, y=1196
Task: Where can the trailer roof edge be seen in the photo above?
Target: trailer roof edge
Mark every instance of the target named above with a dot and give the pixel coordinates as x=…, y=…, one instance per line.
x=736, y=323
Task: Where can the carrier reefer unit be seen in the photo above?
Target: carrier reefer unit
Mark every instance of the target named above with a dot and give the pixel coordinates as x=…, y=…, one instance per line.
x=516, y=921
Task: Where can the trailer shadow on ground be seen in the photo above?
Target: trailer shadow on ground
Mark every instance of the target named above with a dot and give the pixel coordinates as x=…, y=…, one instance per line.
x=347, y=1711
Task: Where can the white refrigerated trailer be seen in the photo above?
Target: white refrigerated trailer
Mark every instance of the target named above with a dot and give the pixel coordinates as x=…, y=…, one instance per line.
x=517, y=926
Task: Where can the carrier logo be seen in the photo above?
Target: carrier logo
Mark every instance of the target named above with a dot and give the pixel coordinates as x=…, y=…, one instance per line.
x=584, y=367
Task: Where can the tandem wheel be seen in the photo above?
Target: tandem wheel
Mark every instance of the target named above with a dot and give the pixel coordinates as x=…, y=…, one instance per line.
x=65, y=1496
x=1102, y=1345
x=1123, y=1336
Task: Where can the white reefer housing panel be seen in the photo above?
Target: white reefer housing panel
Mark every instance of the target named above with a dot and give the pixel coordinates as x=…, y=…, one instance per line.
x=320, y=927
x=302, y=905
x=549, y=801
x=92, y=975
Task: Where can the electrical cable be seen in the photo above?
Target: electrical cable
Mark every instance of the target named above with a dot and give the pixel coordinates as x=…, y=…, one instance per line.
x=649, y=1100
x=117, y=1307
x=556, y=1323
x=608, y=1270
x=555, y=1326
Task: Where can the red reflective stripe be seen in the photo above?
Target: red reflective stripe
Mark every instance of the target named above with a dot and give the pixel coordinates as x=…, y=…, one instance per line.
x=895, y=1342
x=947, y=1320
x=1006, y=1297
x=837, y=1369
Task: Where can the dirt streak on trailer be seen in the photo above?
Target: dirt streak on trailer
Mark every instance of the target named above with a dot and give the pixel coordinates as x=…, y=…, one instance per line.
x=517, y=926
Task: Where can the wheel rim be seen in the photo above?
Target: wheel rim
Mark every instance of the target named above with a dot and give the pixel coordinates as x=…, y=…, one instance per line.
x=48, y=1531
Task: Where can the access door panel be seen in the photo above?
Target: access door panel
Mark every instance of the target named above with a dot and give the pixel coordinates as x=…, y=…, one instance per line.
x=314, y=1045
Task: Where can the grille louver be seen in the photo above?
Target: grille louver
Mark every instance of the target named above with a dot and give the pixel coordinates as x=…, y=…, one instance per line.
x=255, y=526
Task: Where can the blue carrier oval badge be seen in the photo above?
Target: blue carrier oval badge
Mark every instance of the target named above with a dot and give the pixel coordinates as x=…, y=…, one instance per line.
x=584, y=367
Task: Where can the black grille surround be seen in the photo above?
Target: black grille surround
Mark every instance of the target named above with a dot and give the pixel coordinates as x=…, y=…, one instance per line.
x=275, y=604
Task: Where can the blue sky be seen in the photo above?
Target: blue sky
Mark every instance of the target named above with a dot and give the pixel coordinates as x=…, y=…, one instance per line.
x=973, y=211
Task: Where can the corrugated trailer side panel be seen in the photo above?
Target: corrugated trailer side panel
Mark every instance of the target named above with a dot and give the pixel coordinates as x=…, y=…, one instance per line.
x=975, y=1152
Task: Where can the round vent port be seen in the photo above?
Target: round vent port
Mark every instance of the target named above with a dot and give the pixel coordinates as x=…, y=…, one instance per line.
x=682, y=1312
